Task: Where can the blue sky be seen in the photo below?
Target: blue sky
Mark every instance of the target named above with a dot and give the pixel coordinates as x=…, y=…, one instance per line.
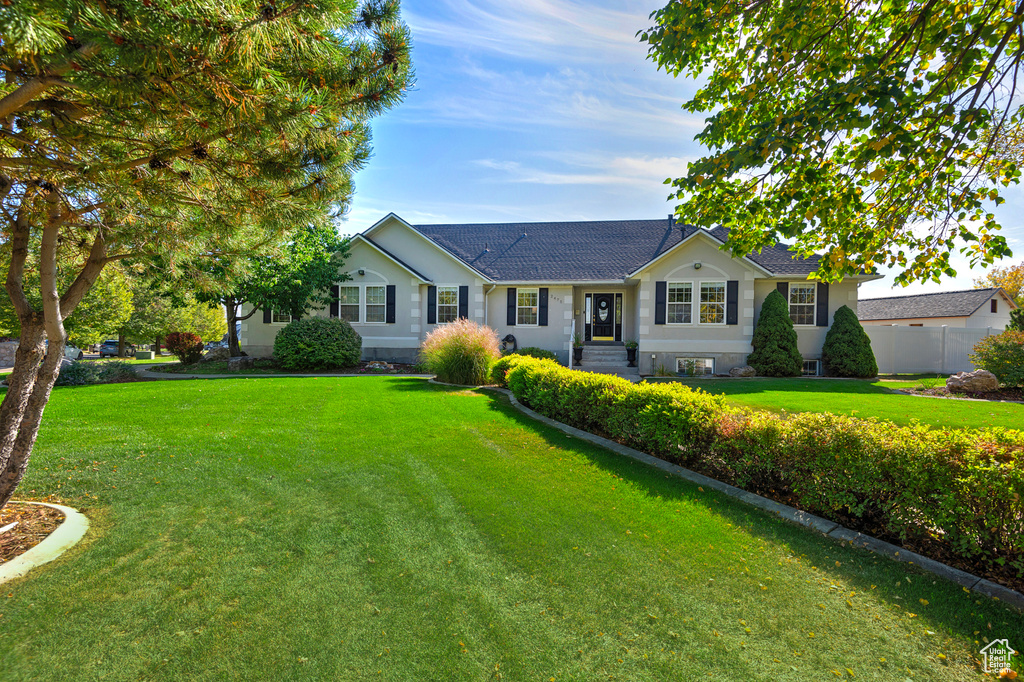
x=546, y=110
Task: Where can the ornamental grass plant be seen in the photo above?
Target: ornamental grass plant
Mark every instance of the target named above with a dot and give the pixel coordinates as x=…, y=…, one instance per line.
x=461, y=352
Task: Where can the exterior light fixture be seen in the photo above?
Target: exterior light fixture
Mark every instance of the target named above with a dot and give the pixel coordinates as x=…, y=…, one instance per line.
x=361, y=271
x=698, y=265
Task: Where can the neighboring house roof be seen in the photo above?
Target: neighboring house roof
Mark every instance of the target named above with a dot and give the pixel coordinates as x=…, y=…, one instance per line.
x=601, y=250
x=944, y=304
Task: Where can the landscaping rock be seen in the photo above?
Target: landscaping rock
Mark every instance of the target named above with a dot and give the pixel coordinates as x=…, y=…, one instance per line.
x=746, y=371
x=217, y=355
x=241, y=362
x=978, y=381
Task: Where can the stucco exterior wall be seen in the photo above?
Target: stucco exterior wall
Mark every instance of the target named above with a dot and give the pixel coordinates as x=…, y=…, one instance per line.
x=661, y=344
x=555, y=337
x=811, y=338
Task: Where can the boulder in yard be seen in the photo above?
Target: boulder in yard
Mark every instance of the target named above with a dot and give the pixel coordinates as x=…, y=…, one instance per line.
x=217, y=355
x=745, y=371
x=978, y=381
x=241, y=362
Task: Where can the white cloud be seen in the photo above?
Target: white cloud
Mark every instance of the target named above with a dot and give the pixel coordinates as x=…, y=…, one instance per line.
x=620, y=171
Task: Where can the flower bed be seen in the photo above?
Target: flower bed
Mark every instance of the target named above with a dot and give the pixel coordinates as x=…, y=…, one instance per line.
x=956, y=492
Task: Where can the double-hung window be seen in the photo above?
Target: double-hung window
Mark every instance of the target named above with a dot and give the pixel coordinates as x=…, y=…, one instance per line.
x=280, y=318
x=376, y=301
x=680, y=303
x=527, y=301
x=802, y=302
x=348, y=303
x=447, y=304
x=712, y=302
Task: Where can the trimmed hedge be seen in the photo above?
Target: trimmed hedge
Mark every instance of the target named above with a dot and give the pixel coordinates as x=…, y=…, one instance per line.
x=535, y=352
x=961, y=488
x=317, y=343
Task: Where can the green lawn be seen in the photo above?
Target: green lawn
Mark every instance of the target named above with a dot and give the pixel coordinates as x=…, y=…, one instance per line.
x=136, y=361
x=387, y=528
x=862, y=398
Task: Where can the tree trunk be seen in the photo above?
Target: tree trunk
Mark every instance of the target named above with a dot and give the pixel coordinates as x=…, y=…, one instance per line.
x=31, y=403
x=231, y=310
x=156, y=346
x=120, y=346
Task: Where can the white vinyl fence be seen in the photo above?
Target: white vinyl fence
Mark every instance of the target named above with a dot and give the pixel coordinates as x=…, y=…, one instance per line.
x=943, y=350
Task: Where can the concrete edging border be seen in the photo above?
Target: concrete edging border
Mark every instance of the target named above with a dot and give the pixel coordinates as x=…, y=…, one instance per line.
x=827, y=528
x=66, y=536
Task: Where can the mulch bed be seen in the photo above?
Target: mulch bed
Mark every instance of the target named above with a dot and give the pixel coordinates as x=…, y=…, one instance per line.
x=1010, y=394
x=35, y=522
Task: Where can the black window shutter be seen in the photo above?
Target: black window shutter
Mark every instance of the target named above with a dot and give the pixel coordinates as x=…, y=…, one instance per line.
x=510, y=318
x=431, y=305
x=268, y=316
x=660, y=301
x=542, y=307
x=783, y=288
x=336, y=293
x=732, y=301
x=389, y=308
x=821, y=316
x=464, y=302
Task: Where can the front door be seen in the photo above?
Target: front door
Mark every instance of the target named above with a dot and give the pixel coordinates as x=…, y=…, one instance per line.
x=604, y=317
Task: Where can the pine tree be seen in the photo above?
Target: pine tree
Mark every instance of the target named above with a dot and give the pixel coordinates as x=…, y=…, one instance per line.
x=847, y=350
x=134, y=128
x=775, y=343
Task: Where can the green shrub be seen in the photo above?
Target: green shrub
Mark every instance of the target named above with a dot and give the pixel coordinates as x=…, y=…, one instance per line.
x=186, y=346
x=317, y=343
x=534, y=352
x=775, y=348
x=77, y=374
x=1016, y=320
x=115, y=372
x=1003, y=355
x=960, y=487
x=85, y=373
x=461, y=352
x=847, y=350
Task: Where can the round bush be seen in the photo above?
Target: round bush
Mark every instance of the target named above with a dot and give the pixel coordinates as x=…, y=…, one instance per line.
x=847, y=350
x=461, y=352
x=318, y=343
x=1003, y=355
x=534, y=352
x=186, y=346
x=775, y=350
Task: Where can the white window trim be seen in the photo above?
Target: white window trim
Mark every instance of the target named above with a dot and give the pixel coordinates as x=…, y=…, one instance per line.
x=360, y=304
x=275, y=323
x=694, y=304
x=697, y=303
x=817, y=368
x=814, y=306
x=363, y=303
x=520, y=290
x=711, y=361
x=437, y=302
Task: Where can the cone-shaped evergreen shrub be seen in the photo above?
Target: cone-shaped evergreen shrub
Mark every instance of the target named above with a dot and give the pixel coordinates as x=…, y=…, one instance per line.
x=847, y=350
x=775, y=350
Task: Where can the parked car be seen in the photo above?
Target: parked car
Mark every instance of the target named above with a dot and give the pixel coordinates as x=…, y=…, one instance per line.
x=109, y=349
x=72, y=352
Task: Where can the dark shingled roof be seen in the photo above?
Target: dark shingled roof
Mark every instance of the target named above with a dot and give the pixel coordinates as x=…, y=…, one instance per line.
x=944, y=304
x=600, y=250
